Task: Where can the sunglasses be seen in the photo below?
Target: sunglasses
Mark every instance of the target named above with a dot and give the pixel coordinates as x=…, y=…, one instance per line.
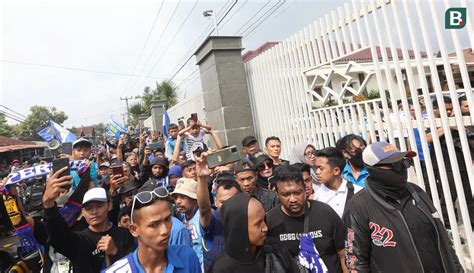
x=146, y=197
x=405, y=163
x=265, y=165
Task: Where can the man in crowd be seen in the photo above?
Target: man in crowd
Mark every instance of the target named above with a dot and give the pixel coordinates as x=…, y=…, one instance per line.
x=156, y=172
x=186, y=202
x=273, y=148
x=250, y=146
x=448, y=166
x=392, y=226
x=286, y=222
x=151, y=226
x=305, y=170
x=335, y=190
x=210, y=220
x=351, y=147
x=189, y=169
x=95, y=247
x=246, y=176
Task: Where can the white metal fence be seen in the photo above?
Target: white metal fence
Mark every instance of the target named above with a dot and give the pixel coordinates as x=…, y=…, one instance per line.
x=398, y=46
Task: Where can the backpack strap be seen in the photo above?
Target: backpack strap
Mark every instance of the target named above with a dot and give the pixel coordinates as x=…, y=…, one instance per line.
x=350, y=188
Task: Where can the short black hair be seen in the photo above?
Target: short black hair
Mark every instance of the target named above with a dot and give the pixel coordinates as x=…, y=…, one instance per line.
x=334, y=156
x=124, y=212
x=346, y=141
x=172, y=126
x=462, y=98
x=446, y=99
x=138, y=206
x=187, y=164
x=228, y=184
x=272, y=138
x=289, y=173
x=303, y=167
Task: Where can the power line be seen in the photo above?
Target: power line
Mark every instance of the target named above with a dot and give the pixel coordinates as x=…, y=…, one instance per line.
x=158, y=42
x=77, y=69
x=21, y=115
x=278, y=5
x=146, y=41
x=253, y=16
x=11, y=117
x=192, y=54
x=258, y=19
x=95, y=115
x=233, y=14
x=174, y=37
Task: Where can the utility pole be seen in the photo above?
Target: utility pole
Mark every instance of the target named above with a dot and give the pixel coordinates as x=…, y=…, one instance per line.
x=123, y=118
x=128, y=109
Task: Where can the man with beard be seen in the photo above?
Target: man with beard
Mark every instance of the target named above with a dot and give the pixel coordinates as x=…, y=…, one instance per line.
x=186, y=202
x=156, y=173
x=351, y=147
x=392, y=225
x=311, y=230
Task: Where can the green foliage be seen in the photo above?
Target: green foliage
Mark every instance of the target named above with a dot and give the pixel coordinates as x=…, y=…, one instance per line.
x=5, y=129
x=166, y=90
x=39, y=118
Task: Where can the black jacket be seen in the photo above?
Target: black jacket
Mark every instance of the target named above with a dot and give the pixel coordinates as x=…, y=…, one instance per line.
x=237, y=256
x=268, y=198
x=379, y=240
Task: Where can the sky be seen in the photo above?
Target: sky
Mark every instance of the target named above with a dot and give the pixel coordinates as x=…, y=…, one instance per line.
x=82, y=57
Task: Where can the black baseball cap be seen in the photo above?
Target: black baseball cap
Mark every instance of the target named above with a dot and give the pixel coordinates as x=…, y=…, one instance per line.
x=243, y=166
x=248, y=140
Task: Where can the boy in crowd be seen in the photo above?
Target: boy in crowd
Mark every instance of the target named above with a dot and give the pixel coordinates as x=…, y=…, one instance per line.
x=351, y=147
x=250, y=146
x=171, y=141
x=81, y=150
x=335, y=190
x=195, y=132
x=273, y=148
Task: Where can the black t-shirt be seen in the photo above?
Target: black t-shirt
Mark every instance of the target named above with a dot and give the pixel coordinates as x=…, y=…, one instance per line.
x=325, y=227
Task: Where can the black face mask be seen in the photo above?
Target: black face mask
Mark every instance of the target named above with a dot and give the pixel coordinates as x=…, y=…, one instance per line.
x=356, y=159
x=391, y=183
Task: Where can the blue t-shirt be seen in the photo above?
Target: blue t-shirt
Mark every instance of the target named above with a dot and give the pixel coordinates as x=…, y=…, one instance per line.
x=349, y=176
x=179, y=233
x=76, y=179
x=212, y=241
x=194, y=227
x=181, y=259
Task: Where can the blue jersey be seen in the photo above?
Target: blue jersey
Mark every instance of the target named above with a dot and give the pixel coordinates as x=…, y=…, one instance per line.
x=76, y=179
x=195, y=231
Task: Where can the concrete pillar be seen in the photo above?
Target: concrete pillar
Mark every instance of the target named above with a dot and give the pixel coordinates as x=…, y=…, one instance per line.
x=224, y=86
x=156, y=110
x=141, y=119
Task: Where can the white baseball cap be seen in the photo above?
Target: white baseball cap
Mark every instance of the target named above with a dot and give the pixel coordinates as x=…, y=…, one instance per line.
x=95, y=194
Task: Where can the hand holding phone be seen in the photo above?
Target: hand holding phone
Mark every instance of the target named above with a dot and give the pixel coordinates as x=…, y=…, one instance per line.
x=60, y=163
x=117, y=170
x=223, y=157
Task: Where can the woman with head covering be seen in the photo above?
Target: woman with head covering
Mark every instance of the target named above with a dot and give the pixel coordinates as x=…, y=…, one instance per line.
x=306, y=153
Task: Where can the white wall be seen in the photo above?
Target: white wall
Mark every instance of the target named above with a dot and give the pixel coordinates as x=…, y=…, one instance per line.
x=186, y=108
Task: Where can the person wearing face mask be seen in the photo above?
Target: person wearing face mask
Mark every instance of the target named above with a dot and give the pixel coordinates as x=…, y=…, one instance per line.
x=351, y=147
x=392, y=225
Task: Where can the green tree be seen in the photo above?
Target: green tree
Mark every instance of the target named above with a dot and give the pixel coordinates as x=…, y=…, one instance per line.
x=5, y=129
x=39, y=118
x=136, y=110
x=167, y=91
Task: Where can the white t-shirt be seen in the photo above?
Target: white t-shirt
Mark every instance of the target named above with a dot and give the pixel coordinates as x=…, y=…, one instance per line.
x=335, y=199
x=190, y=140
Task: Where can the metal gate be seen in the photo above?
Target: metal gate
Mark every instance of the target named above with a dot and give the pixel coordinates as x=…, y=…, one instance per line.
x=376, y=69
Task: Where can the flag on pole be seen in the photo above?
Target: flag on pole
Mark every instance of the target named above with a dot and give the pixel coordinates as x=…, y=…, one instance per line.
x=166, y=122
x=114, y=128
x=61, y=133
x=46, y=133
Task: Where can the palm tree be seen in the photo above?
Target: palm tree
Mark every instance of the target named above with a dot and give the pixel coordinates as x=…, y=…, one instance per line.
x=135, y=111
x=167, y=91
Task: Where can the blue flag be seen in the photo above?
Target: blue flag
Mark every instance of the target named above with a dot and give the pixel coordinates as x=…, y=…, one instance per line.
x=114, y=128
x=62, y=134
x=166, y=122
x=46, y=133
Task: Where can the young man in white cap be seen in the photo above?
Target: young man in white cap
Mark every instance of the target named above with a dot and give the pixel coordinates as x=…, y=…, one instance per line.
x=392, y=225
x=186, y=203
x=95, y=247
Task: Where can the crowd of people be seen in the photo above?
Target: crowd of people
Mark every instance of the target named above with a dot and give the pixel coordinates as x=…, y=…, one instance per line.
x=156, y=206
